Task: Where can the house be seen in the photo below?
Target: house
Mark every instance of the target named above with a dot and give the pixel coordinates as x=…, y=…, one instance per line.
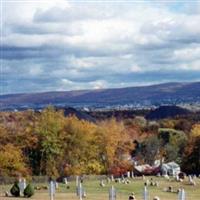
x=171, y=169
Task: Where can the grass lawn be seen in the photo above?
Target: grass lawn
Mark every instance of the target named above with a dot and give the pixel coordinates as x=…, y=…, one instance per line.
x=95, y=192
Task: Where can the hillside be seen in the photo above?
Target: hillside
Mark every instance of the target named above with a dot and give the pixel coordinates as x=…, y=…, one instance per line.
x=79, y=114
x=169, y=93
x=167, y=112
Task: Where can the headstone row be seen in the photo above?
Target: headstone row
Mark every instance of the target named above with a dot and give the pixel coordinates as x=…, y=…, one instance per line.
x=80, y=192
x=113, y=194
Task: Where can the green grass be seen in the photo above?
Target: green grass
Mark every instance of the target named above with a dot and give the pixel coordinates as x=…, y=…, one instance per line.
x=95, y=192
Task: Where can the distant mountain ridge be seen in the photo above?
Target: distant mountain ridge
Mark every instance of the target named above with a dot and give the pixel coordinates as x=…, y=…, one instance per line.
x=169, y=93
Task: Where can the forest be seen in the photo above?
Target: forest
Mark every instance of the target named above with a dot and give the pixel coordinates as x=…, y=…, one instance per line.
x=50, y=143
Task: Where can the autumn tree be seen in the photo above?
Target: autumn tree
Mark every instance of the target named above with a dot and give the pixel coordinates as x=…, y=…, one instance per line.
x=173, y=143
x=168, y=144
x=191, y=159
x=114, y=143
x=49, y=129
x=12, y=161
x=81, y=151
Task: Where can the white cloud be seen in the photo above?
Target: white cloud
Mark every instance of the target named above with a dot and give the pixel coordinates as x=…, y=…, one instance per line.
x=36, y=70
x=66, y=81
x=194, y=65
x=98, y=45
x=25, y=10
x=99, y=84
x=135, y=68
x=187, y=54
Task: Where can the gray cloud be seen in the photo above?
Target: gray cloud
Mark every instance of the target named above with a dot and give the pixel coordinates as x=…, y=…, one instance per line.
x=63, y=46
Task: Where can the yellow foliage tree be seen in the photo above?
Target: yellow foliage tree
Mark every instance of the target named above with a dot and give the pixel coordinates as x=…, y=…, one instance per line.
x=81, y=153
x=195, y=132
x=49, y=129
x=12, y=161
x=114, y=143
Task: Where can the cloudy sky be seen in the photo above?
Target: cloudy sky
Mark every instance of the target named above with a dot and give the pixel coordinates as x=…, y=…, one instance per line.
x=65, y=45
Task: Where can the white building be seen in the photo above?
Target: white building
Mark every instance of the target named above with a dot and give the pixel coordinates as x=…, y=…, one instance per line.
x=171, y=168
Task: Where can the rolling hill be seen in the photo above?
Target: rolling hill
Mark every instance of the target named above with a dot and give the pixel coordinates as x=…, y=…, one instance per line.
x=168, y=93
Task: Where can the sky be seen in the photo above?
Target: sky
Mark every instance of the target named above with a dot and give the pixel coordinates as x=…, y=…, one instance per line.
x=56, y=45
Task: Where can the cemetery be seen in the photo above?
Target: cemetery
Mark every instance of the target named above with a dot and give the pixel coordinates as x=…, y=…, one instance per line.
x=134, y=168
x=126, y=187
x=100, y=100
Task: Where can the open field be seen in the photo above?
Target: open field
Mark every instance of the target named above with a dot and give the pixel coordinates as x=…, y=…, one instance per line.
x=95, y=192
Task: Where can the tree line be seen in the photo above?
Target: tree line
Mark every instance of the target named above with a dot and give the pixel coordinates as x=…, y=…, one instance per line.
x=49, y=143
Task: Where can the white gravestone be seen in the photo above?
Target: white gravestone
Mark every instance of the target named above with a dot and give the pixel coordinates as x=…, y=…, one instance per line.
x=112, y=178
x=52, y=190
x=132, y=174
x=22, y=185
x=102, y=184
x=145, y=194
x=77, y=181
x=80, y=191
x=181, y=194
x=112, y=193
x=190, y=178
x=65, y=181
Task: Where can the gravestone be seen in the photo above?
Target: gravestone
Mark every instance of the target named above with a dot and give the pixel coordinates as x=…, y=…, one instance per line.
x=56, y=185
x=128, y=174
x=190, y=179
x=77, y=181
x=112, y=178
x=52, y=190
x=80, y=191
x=112, y=193
x=145, y=194
x=102, y=184
x=22, y=185
x=132, y=174
x=181, y=194
x=65, y=181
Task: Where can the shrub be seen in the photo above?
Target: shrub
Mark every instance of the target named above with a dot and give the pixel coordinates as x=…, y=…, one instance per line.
x=15, y=191
x=29, y=191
